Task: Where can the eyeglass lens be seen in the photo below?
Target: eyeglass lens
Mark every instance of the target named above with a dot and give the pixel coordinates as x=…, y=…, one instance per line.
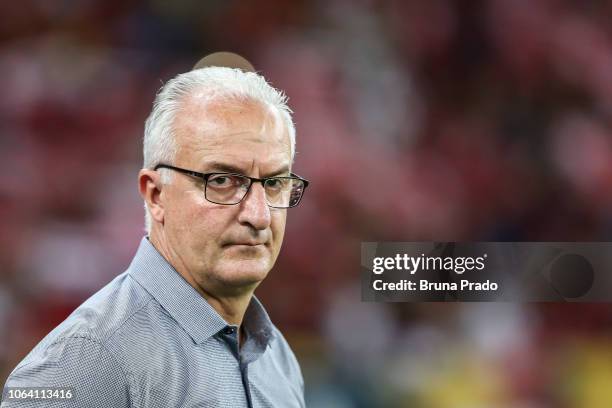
x=281, y=192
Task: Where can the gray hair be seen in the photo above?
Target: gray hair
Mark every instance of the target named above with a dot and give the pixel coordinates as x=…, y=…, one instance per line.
x=218, y=83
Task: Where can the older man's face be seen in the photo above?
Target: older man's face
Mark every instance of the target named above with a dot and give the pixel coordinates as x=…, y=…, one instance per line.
x=226, y=247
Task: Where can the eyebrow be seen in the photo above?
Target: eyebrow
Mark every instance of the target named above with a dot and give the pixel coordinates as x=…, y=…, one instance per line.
x=229, y=168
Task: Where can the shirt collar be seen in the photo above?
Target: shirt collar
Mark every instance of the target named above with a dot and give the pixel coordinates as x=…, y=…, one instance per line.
x=257, y=324
x=185, y=304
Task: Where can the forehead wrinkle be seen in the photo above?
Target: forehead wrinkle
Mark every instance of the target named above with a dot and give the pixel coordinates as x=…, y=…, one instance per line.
x=206, y=122
x=199, y=123
x=200, y=114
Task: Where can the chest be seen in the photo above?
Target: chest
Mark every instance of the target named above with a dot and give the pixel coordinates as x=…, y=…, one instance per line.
x=209, y=375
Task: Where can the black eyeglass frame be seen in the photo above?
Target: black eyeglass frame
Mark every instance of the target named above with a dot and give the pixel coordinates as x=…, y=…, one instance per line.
x=206, y=176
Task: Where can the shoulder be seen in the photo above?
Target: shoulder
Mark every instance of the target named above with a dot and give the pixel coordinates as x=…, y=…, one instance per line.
x=80, y=363
x=92, y=325
x=100, y=316
x=83, y=350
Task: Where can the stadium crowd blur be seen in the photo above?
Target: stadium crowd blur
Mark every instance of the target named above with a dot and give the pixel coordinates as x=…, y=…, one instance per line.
x=417, y=120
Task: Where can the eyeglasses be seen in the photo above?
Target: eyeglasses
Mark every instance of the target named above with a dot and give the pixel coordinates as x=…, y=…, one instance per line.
x=231, y=188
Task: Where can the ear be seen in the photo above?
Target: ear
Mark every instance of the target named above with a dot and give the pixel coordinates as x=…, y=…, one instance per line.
x=150, y=187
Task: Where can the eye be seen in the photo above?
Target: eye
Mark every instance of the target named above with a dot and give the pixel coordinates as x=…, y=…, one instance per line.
x=221, y=180
x=276, y=183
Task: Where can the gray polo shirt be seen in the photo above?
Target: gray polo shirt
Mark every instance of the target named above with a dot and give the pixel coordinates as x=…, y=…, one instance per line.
x=149, y=339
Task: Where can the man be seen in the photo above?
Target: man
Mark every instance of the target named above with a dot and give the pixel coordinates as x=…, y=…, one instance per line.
x=181, y=327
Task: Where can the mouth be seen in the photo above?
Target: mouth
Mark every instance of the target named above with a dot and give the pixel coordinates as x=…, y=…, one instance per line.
x=249, y=249
x=245, y=244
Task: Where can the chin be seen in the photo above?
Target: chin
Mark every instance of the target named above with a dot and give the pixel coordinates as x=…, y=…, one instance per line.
x=244, y=272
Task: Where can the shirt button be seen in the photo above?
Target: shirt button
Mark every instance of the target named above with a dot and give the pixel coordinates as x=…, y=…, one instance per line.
x=229, y=330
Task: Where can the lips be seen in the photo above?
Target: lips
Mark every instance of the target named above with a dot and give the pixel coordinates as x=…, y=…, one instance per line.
x=246, y=243
x=247, y=240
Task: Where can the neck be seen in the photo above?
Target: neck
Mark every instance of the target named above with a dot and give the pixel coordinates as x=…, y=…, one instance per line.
x=232, y=310
x=231, y=305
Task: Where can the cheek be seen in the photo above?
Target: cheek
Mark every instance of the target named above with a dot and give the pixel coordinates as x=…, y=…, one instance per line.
x=184, y=210
x=192, y=219
x=277, y=226
x=194, y=214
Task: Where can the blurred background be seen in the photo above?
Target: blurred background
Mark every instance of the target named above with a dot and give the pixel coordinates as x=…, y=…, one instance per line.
x=417, y=120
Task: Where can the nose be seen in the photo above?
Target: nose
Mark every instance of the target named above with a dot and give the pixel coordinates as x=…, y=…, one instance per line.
x=254, y=209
